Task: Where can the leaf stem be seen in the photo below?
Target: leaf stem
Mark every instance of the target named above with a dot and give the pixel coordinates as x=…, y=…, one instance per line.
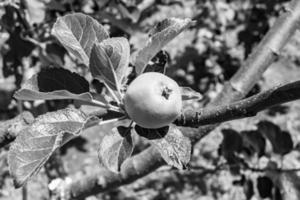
x=99, y=103
x=107, y=106
x=115, y=108
x=111, y=120
x=112, y=94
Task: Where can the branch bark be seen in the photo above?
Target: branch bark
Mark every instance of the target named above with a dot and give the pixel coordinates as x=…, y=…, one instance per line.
x=244, y=108
x=133, y=169
x=240, y=84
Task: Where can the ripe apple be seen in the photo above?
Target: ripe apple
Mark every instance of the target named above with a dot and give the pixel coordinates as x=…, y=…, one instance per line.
x=153, y=100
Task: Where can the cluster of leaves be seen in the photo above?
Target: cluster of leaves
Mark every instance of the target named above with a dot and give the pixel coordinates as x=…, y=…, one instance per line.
x=27, y=44
x=108, y=61
x=242, y=151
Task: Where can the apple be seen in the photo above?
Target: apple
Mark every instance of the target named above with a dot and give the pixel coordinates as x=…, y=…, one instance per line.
x=153, y=100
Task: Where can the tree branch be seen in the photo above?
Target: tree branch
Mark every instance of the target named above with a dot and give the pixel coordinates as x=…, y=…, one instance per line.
x=133, y=169
x=244, y=108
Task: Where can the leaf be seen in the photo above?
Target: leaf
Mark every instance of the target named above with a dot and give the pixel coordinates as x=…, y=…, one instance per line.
x=188, y=93
x=55, y=83
x=115, y=148
x=55, y=54
x=101, y=67
x=264, y=186
x=174, y=147
x=151, y=134
x=77, y=33
x=35, y=144
x=109, y=61
x=118, y=50
x=161, y=35
x=19, y=48
x=255, y=141
x=232, y=141
x=248, y=188
x=158, y=63
x=281, y=141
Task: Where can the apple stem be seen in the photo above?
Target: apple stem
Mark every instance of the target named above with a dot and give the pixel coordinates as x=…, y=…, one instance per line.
x=166, y=92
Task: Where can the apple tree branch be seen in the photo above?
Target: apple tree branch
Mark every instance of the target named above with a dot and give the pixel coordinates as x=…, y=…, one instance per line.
x=248, y=107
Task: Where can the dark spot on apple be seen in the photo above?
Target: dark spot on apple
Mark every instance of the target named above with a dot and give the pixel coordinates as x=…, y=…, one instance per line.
x=166, y=92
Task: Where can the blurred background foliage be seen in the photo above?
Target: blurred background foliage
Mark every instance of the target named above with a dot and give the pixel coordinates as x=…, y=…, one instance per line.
x=244, y=159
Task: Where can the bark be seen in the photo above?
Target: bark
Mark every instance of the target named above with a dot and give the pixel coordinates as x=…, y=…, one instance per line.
x=241, y=109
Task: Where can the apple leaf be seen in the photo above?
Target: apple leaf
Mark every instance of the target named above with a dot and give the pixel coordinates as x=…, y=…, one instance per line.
x=55, y=83
x=158, y=63
x=264, y=186
x=115, y=148
x=77, y=33
x=109, y=61
x=281, y=141
x=102, y=68
x=232, y=142
x=254, y=141
x=35, y=144
x=188, y=93
x=151, y=134
x=174, y=147
x=162, y=34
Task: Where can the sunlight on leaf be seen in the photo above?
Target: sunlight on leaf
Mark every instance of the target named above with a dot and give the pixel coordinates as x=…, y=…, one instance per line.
x=102, y=67
x=161, y=35
x=158, y=63
x=118, y=50
x=35, y=144
x=174, y=147
x=77, y=33
x=55, y=83
x=115, y=148
x=281, y=141
x=254, y=141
